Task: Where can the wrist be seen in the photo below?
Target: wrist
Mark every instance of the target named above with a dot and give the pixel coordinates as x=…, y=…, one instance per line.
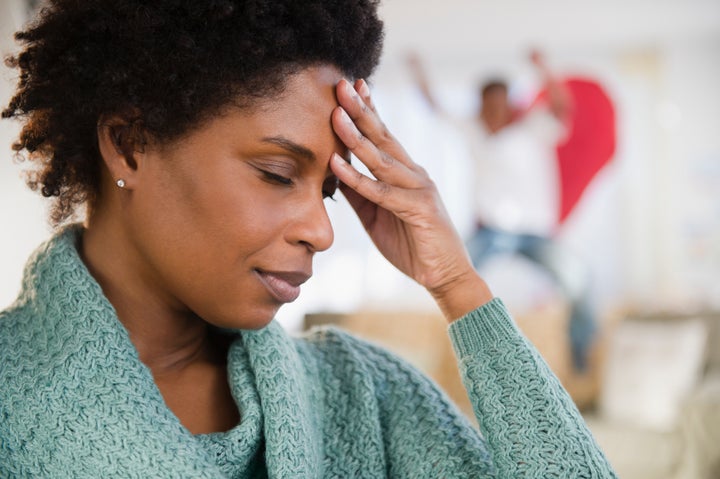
x=463, y=294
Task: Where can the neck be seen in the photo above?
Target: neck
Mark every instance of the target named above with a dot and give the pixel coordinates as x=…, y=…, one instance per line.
x=168, y=336
x=495, y=123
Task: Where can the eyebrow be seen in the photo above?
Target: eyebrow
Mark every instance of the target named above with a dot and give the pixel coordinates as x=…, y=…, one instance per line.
x=292, y=147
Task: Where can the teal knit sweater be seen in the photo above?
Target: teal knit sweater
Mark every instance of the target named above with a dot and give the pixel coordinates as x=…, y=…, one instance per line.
x=76, y=401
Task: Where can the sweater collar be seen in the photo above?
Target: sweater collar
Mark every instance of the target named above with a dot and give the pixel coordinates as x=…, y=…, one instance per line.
x=268, y=379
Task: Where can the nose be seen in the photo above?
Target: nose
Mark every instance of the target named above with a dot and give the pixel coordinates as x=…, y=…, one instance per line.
x=312, y=226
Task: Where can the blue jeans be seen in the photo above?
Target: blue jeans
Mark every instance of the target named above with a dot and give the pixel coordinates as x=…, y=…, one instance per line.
x=568, y=272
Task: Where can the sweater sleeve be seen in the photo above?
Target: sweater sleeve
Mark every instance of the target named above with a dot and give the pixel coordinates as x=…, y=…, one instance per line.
x=531, y=425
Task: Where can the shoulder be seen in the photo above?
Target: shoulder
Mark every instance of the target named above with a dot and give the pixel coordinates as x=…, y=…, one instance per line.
x=17, y=334
x=23, y=355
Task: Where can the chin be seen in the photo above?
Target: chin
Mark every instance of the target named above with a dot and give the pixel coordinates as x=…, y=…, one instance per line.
x=258, y=323
x=257, y=318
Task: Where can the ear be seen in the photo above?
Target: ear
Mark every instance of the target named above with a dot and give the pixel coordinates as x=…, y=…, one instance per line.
x=121, y=143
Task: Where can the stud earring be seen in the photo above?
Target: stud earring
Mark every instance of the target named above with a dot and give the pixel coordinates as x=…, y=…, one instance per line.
x=120, y=183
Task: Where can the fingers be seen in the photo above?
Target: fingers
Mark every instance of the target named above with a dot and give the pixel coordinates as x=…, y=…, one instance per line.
x=400, y=183
x=357, y=124
x=378, y=192
x=400, y=201
x=382, y=164
x=359, y=107
x=363, y=90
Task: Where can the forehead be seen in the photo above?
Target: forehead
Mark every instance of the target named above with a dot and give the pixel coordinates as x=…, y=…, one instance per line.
x=300, y=113
x=300, y=116
x=310, y=90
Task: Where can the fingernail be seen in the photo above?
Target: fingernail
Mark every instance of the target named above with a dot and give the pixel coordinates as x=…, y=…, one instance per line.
x=339, y=160
x=348, y=88
x=364, y=88
x=344, y=116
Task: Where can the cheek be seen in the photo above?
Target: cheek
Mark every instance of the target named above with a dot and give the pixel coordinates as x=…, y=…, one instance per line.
x=232, y=233
x=171, y=219
x=215, y=217
x=190, y=196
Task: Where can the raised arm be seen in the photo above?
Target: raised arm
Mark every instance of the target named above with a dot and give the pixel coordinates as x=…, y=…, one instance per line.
x=401, y=210
x=529, y=420
x=417, y=70
x=559, y=99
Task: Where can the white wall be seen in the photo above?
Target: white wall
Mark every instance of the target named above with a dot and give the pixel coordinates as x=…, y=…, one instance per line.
x=690, y=119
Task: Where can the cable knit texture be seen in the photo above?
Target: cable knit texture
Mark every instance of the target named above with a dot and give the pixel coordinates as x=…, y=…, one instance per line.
x=76, y=401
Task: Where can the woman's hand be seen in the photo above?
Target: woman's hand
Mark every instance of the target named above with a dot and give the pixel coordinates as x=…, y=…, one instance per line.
x=401, y=209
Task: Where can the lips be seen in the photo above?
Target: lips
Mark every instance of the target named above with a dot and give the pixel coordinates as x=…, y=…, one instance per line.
x=284, y=286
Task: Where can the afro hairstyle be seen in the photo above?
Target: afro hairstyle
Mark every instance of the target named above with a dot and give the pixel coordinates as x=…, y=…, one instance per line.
x=164, y=66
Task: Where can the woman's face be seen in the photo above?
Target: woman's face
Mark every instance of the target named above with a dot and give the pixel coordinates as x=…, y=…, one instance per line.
x=225, y=222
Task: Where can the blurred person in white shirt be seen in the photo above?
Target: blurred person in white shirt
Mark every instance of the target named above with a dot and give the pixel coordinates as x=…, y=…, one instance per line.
x=516, y=187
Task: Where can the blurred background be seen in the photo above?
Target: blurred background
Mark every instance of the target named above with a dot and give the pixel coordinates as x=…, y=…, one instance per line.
x=647, y=226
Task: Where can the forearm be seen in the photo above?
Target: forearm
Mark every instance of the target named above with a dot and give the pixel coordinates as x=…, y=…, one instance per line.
x=528, y=419
x=559, y=98
x=418, y=73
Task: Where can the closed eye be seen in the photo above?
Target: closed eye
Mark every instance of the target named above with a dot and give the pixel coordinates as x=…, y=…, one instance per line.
x=330, y=186
x=275, y=178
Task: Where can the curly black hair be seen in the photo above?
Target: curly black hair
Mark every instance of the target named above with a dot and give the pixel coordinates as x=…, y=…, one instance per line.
x=165, y=66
